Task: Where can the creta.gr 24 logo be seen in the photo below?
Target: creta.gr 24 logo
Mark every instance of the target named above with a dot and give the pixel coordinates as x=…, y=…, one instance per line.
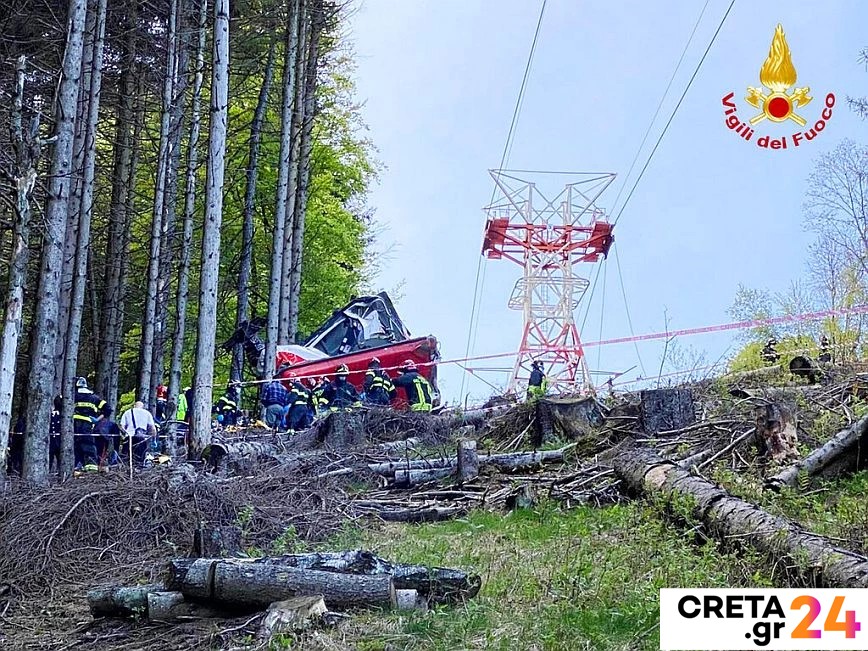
x=776, y=103
x=734, y=619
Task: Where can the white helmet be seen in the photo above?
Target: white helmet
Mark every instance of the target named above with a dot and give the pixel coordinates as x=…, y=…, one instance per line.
x=81, y=383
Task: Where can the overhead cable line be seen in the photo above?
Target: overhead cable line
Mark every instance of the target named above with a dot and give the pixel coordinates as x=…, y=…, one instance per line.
x=660, y=104
x=675, y=111
x=504, y=158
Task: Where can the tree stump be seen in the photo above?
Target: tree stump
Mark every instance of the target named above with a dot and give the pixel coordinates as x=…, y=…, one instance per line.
x=468, y=460
x=294, y=614
x=776, y=433
x=664, y=410
x=212, y=541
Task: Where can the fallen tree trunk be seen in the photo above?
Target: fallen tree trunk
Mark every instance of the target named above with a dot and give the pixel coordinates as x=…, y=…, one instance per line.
x=256, y=583
x=730, y=518
x=171, y=607
x=438, y=584
x=846, y=442
x=407, y=478
x=508, y=461
x=121, y=601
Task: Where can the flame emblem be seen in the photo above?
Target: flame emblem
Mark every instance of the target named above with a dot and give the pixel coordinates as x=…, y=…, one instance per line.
x=778, y=74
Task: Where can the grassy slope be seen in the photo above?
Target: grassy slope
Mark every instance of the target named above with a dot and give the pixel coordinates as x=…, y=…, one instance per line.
x=581, y=579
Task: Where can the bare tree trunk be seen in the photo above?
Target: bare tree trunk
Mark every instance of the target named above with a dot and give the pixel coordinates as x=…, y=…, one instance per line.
x=41, y=381
x=168, y=248
x=120, y=212
x=111, y=395
x=296, y=256
x=74, y=206
x=207, y=330
x=27, y=151
x=273, y=330
x=189, y=211
x=149, y=318
x=292, y=184
x=73, y=335
x=243, y=311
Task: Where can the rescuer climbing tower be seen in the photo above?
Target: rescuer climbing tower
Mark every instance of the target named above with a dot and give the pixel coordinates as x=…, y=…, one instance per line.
x=547, y=238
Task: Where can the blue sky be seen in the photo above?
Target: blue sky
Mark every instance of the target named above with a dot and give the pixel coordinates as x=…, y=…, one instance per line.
x=439, y=80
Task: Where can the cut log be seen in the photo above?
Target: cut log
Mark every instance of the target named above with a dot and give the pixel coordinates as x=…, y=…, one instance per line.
x=256, y=583
x=846, y=445
x=290, y=615
x=121, y=601
x=210, y=541
x=390, y=467
x=776, y=432
x=406, y=478
x=392, y=447
x=729, y=518
x=239, y=457
x=438, y=584
x=410, y=600
x=171, y=607
x=664, y=410
x=468, y=460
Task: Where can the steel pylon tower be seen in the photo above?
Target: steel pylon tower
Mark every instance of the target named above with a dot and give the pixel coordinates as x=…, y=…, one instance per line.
x=547, y=238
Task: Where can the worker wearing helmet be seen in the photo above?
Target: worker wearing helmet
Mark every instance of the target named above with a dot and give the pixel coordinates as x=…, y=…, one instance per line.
x=300, y=406
x=379, y=390
x=769, y=353
x=538, y=383
x=339, y=393
x=89, y=408
x=418, y=389
x=318, y=387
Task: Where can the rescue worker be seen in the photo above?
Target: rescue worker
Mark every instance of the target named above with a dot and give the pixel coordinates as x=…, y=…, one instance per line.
x=107, y=436
x=825, y=355
x=88, y=410
x=300, y=409
x=339, y=393
x=181, y=412
x=317, y=390
x=228, y=409
x=162, y=398
x=538, y=383
x=769, y=354
x=189, y=395
x=418, y=389
x=379, y=389
x=275, y=399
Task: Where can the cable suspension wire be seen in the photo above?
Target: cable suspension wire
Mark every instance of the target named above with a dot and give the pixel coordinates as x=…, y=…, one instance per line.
x=504, y=158
x=660, y=104
x=627, y=309
x=675, y=111
x=602, y=312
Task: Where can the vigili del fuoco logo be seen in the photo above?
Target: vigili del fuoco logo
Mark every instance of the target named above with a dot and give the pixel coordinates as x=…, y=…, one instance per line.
x=778, y=104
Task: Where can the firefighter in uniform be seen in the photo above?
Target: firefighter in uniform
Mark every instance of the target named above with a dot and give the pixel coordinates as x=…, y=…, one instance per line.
x=301, y=407
x=379, y=389
x=538, y=383
x=418, y=389
x=339, y=393
x=228, y=409
x=318, y=390
x=769, y=354
x=88, y=410
x=825, y=355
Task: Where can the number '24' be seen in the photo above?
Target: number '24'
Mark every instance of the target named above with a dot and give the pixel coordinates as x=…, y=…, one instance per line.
x=803, y=630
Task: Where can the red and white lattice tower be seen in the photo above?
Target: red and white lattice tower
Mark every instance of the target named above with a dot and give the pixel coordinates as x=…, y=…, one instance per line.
x=547, y=238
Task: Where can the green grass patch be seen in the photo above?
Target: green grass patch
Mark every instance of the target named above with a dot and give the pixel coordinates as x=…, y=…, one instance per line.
x=580, y=579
